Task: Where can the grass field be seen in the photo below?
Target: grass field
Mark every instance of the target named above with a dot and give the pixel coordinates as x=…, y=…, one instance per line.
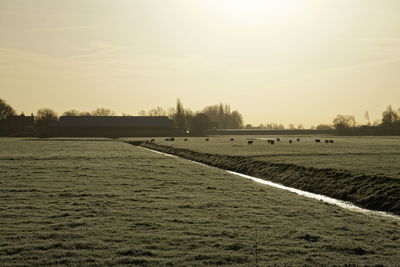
x=360, y=170
x=102, y=202
x=361, y=155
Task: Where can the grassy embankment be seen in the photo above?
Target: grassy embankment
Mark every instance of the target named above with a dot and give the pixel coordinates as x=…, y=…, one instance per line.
x=109, y=203
x=376, y=191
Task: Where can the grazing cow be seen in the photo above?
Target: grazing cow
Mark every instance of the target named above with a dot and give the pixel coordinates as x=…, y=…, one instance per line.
x=185, y=139
x=290, y=141
x=317, y=140
x=166, y=139
x=153, y=140
x=331, y=141
x=272, y=142
x=278, y=139
x=326, y=141
x=269, y=141
x=249, y=142
x=172, y=139
x=232, y=139
x=298, y=139
x=207, y=139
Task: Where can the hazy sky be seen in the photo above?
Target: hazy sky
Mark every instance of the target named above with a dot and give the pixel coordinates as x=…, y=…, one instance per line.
x=293, y=61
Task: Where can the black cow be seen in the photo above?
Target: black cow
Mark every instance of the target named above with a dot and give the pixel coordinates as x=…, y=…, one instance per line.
x=317, y=140
x=249, y=142
x=232, y=139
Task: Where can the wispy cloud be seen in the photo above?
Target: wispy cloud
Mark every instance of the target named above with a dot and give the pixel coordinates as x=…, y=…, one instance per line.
x=98, y=50
x=69, y=28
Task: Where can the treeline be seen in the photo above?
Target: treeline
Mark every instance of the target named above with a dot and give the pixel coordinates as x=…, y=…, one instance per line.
x=184, y=120
x=291, y=126
x=217, y=116
x=388, y=125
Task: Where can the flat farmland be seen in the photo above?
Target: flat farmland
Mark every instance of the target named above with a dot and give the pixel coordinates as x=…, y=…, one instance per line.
x=361, y=155
x=103, y=202
x=362, y=170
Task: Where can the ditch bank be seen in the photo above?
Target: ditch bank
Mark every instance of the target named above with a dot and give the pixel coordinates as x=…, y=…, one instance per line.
x=371, y=192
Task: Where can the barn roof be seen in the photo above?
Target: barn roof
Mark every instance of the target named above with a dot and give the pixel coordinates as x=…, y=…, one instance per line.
x=113, y=121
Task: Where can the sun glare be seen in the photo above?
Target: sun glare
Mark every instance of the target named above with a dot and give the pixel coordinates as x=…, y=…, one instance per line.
x=254, y=11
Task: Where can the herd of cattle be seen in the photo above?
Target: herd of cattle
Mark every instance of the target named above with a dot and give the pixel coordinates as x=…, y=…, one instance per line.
x=249, y=142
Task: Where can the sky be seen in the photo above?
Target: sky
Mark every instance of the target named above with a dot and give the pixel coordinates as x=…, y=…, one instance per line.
x=284, y=61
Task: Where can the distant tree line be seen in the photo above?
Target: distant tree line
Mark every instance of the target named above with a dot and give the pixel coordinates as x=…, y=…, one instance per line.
x=184, y=120
x=96, y=112
x=197, y=122
x=389, y=124
x=347, y=125
x=218, y=116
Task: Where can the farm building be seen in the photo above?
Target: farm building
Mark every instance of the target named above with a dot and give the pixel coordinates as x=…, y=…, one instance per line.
x=17, y=126
x=111, y=126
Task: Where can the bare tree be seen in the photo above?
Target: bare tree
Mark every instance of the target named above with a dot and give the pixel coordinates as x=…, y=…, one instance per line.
x=237, y=120
x=85, y=113
x=199, y=123
x=366, y=116
x=72, y=112
x=157, y=111
x=46, y=115
x=103, y=112
x=179, y=116
x=142, y=113
x=390, y=116
x=5, y=110
x=223, y=116
x=344, y=122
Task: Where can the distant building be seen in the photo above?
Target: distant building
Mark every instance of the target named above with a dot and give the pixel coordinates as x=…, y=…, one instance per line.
x=18, y=126
x=111, y=126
